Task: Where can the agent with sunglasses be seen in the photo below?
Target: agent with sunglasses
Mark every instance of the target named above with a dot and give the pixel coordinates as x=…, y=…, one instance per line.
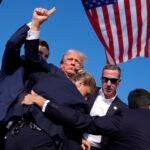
x=104, y=101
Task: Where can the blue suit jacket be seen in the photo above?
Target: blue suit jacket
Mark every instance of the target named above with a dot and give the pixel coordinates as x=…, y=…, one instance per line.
x=127, y=129
x=52, y=85
x=12, y=72
x=62, y=90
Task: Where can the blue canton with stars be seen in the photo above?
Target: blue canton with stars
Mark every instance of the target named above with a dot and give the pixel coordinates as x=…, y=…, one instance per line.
x=89, y=4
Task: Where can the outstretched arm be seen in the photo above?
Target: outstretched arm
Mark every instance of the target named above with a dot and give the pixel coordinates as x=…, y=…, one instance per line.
x=40, y=15
x=84, y=122
x=11, y=57
x=35, y=61
x=34, y=98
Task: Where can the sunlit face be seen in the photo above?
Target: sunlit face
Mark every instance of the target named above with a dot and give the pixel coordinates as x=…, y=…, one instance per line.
x=85, y=90
x=110, y=81
x=70, y=62
x=44, y=52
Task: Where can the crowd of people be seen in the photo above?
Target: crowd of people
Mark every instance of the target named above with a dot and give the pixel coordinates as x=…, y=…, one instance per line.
x=46, y=107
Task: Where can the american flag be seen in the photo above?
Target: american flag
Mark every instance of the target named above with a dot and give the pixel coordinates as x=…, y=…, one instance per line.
x=122, y=26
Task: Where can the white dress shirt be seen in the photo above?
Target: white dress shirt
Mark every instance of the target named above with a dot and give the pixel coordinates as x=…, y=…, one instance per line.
x=99, y=108
x=32, y=35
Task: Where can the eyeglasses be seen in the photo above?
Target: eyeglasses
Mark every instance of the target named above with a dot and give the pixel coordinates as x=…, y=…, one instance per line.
x=112, y=80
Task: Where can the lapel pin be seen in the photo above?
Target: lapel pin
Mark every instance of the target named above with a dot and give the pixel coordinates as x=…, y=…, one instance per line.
x=115, y=107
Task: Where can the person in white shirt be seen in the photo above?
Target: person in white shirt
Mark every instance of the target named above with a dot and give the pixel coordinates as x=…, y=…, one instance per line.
x=104, y=101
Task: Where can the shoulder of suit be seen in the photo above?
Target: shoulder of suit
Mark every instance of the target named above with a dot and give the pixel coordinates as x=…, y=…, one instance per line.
x=120, y=102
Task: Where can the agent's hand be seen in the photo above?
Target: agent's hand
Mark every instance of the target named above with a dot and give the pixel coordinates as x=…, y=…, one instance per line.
x=85, y=145
x=40, y=15
x=34, y=98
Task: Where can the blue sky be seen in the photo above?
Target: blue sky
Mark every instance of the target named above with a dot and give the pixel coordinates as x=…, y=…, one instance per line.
x=70, y=28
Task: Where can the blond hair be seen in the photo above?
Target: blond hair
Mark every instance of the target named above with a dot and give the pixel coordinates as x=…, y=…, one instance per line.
x=87, y=78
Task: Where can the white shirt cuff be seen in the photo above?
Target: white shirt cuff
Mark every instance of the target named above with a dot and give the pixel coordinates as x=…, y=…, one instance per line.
x=32, y=35
x=45, y=104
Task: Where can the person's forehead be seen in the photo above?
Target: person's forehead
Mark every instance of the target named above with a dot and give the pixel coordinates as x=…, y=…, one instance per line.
x=73, y=55
x=110, y=72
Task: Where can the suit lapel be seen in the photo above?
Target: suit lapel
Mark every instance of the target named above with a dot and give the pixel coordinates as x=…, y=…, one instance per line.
x=113, y=107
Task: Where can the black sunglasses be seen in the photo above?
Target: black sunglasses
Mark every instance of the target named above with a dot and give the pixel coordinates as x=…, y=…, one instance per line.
x=112, y=80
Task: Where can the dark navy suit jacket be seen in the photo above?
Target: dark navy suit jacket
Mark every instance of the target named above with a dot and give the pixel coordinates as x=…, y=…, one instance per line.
x=65, y=93
x=115, y=105
x=48, y=81
x=128, y=129
x=12, y=72
x=56, y=86
x=11, y=75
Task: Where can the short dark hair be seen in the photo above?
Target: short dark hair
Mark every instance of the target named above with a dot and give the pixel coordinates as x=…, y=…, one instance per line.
x=44, y=43
x=112, y=67
x=139, y=98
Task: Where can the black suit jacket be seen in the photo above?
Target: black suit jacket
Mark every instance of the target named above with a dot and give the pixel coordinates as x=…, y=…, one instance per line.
x=127, y=129
x=115, y=105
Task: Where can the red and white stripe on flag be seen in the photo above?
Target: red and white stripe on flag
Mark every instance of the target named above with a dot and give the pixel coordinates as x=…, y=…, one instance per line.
x=122, y=26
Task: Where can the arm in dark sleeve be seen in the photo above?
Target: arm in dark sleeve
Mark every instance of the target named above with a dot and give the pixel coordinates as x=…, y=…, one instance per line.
x=11, y=57
x=34, y=60
x=95, y=125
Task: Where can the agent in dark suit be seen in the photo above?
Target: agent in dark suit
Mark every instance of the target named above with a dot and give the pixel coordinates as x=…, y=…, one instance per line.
x=52, y=133
x=51, y=87
x=127, y=129
x=12, y=69
x=11, y=72
x=104, y=101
